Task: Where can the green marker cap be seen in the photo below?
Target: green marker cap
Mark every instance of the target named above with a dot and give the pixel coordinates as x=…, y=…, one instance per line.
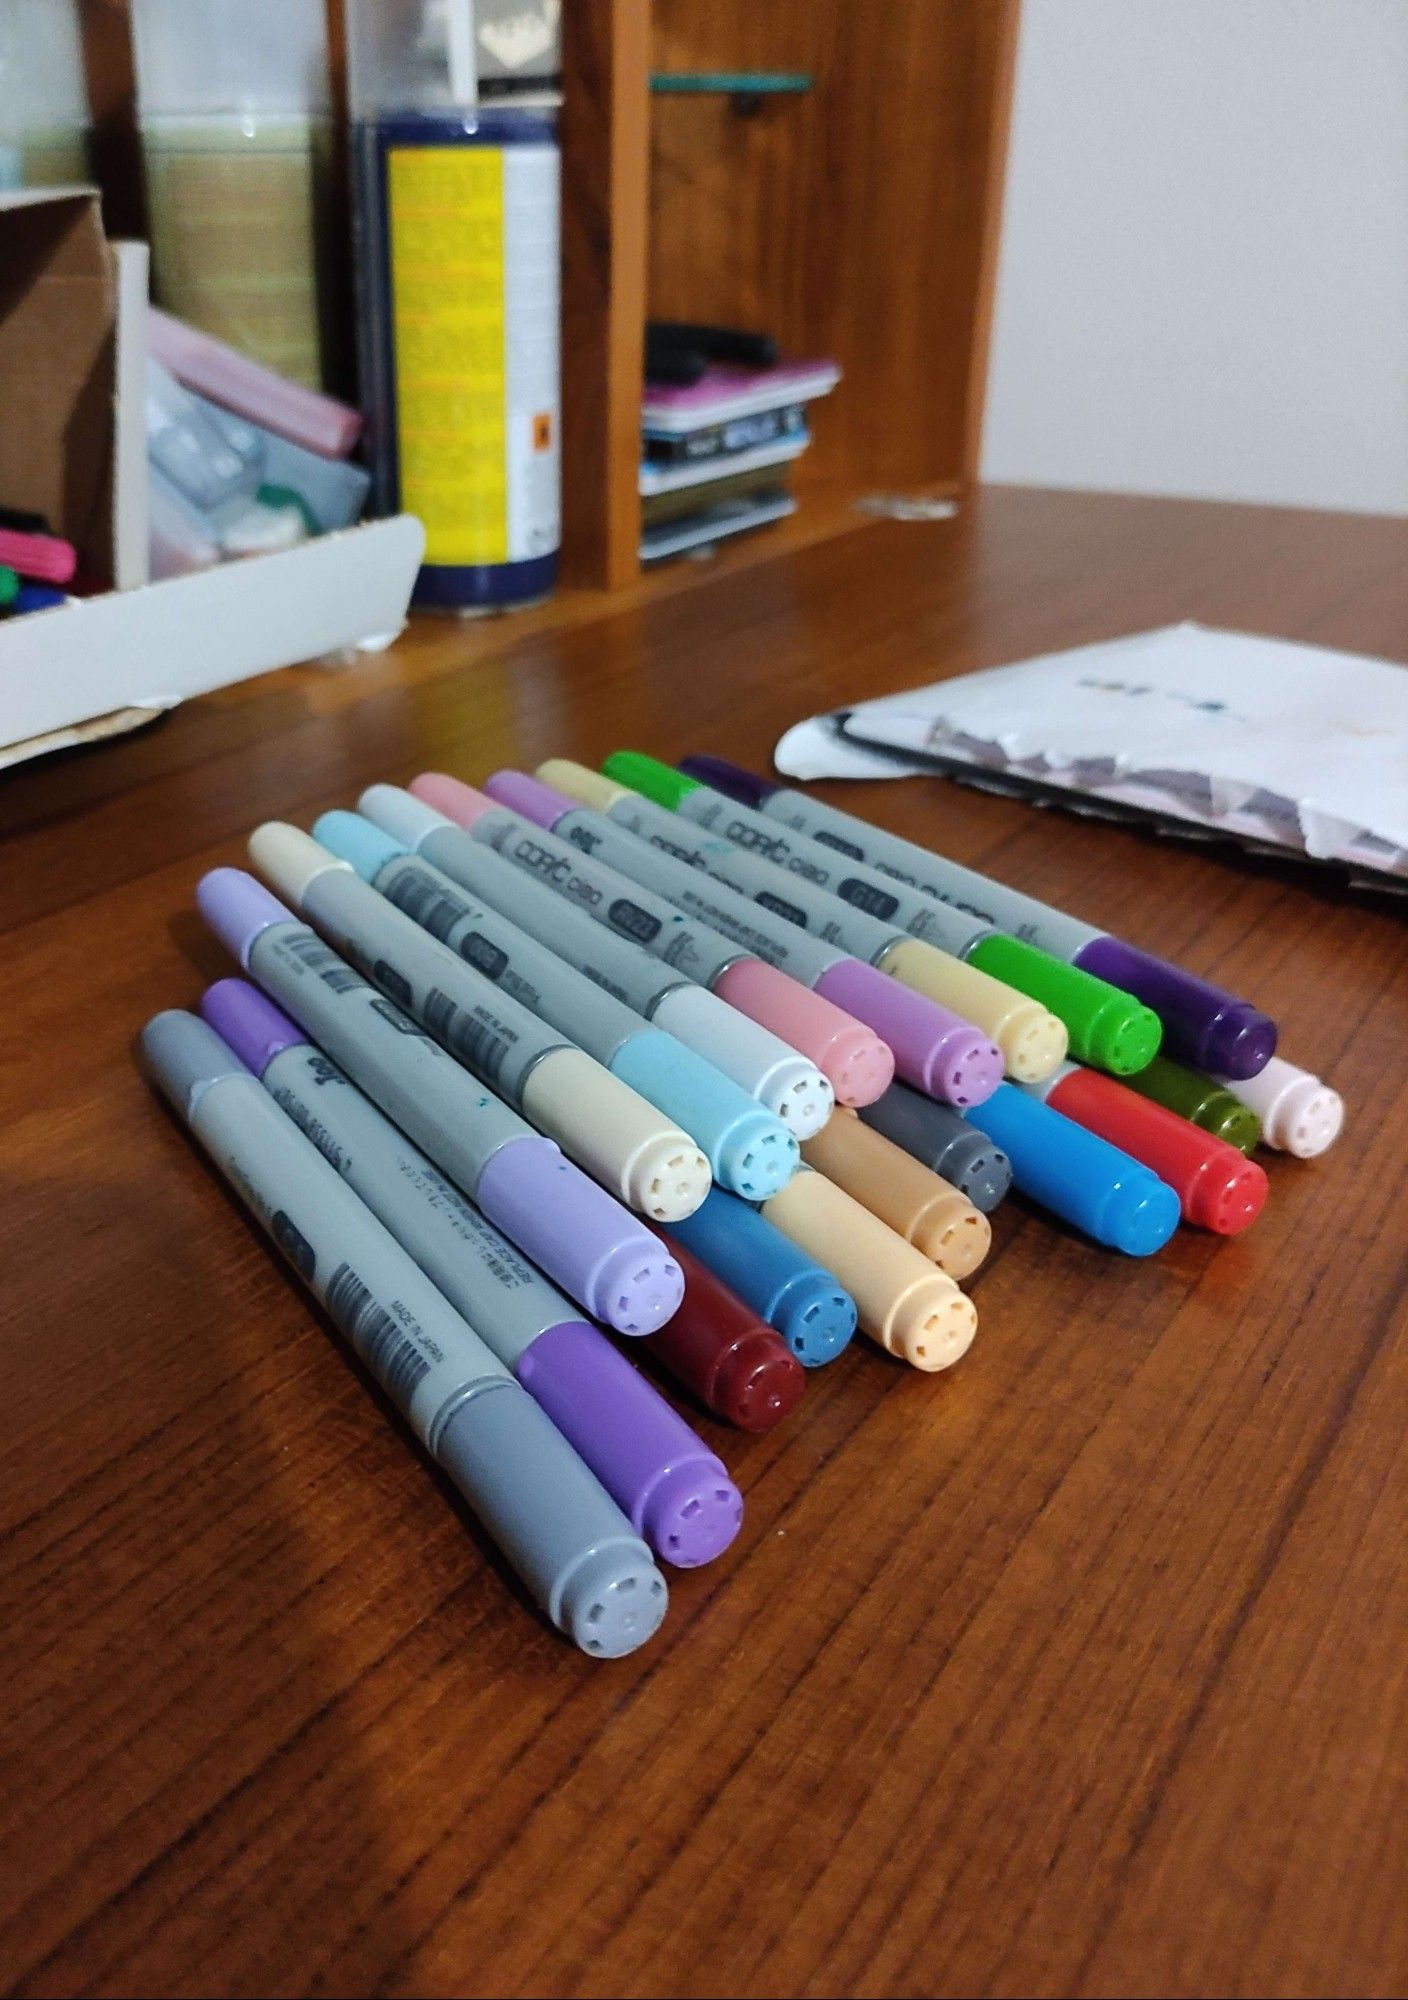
x=661, y=783
x=1201, y=1101
x=1108, y=1027
x=9, y=585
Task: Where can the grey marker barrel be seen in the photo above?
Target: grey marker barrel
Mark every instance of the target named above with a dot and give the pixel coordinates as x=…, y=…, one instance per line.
x=556, y=1524
x=679, y=875
x=891, y=904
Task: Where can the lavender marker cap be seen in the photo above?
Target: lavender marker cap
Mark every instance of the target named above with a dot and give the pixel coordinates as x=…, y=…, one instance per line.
x=237, y=909
x=935, y=1050
x=582, y=1237
x=247, y=1021
x=529, y=797
x=1203, y=1026
x=730, y=779
x=676, y=1493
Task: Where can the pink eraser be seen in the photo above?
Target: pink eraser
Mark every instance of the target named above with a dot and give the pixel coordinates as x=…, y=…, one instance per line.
x=212, y=369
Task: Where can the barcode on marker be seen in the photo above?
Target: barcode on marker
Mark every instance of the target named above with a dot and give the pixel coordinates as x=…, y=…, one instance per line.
x=396, y=1361
x=429, y=906
x=475, y=1042
x=326, y=963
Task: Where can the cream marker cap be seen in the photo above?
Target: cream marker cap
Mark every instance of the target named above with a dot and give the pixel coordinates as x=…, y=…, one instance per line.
x=290, y=860
x=904, y=1304
x=578, y=782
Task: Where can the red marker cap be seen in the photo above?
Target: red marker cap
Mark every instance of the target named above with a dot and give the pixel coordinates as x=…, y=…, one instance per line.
x=718, y=1347
x=1217, y=1186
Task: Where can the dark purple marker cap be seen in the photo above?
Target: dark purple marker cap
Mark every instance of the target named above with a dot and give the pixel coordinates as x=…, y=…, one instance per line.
x=673, y=1489
x=530, y=797
x=237, y=909
x=249, y=1022
x=1203, y=1026
x=730, y=779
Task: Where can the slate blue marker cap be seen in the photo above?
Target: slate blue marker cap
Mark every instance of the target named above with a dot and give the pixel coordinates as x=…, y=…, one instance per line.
x=1083, y=1179
x=806, y=1304
x=749, y=1150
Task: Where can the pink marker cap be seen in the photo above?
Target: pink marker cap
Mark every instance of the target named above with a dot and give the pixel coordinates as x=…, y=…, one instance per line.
x=860, y=1066
x=458, y=801
x=935, y=1049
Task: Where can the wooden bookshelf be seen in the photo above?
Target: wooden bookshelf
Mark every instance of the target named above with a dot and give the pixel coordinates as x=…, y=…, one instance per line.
x=856, y=218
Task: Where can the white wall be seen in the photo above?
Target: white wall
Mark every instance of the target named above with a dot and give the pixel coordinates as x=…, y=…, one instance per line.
x=1203, y=286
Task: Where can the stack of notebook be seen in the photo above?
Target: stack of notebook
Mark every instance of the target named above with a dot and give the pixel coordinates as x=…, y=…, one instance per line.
x=717, y=453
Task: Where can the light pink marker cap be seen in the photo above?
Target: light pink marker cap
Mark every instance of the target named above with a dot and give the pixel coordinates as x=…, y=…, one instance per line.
x=458, y=801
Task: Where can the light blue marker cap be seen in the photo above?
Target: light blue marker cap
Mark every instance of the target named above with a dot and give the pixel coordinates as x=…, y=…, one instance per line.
x=1083, y=1179
x=805, y=1303
x=352, y=838
x=750, y=1151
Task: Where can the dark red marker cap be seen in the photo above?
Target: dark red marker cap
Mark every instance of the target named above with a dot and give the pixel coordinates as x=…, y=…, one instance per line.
x=1218, y=1187
x=718, y=1347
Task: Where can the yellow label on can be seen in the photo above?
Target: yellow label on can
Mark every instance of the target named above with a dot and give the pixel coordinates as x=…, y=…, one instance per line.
x=447, y=308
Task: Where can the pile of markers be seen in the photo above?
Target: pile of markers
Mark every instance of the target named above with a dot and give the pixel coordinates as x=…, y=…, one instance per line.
x=704, y=1061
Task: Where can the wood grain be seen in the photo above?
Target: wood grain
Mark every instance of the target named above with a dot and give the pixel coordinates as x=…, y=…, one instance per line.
x=858, y=221
x=1077, y=1670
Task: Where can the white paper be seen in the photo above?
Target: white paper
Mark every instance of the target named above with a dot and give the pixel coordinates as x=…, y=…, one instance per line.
x=1263, y=741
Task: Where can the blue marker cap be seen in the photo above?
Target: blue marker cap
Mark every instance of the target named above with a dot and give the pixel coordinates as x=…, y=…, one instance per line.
x=1083, y=1179
x=811, y=1311
x=352, y=838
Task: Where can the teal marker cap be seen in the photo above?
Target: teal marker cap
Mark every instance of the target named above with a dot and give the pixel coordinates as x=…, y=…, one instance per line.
x=751, y=1152
x=352, y=838
x=661, y=783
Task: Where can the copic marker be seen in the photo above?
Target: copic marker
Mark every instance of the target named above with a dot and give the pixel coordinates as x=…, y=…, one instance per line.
x=801, y=1298
x=858, y=1064
x=737, y=1365
x=783, y=1081
x=749, y=1150
x=598, y=1121
x=1083, y=1179
x=919, y=943
x=37, y=597
x=599, y=1253
x=561, y=1532
x=45, y=558
x=671, y=1487
x=1299, y=1114
x=928, y=1212
x=904, y=1303
x=1217, y=1188
x=1213, y=1106
x=1202, y=1024
x=9, y=587
x=942, y=1140
x=932, y=1047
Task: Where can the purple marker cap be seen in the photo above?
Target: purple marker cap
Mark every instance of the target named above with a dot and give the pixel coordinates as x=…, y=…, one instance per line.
x=249, y=1022
x=530, y=797
x=937, y=1051
x=730, y=779
x=673, y=1489
x=1203, y=1026
x=581, y=1236
x=237, y=909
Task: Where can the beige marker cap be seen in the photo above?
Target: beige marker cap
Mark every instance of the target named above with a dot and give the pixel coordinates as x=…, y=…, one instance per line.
x=925, y=1209
x=903, y=1303
x=1032, y=1040
x=616, y=1136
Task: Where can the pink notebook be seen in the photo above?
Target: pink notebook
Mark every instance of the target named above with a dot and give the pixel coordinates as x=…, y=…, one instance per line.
x=721, y=394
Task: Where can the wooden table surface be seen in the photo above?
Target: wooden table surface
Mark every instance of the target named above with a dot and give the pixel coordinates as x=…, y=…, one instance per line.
x=1080, y=1669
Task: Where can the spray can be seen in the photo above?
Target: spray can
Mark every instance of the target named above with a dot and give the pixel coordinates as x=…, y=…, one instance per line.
x=456, y=208
x=44, y=118
x=234, y=103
